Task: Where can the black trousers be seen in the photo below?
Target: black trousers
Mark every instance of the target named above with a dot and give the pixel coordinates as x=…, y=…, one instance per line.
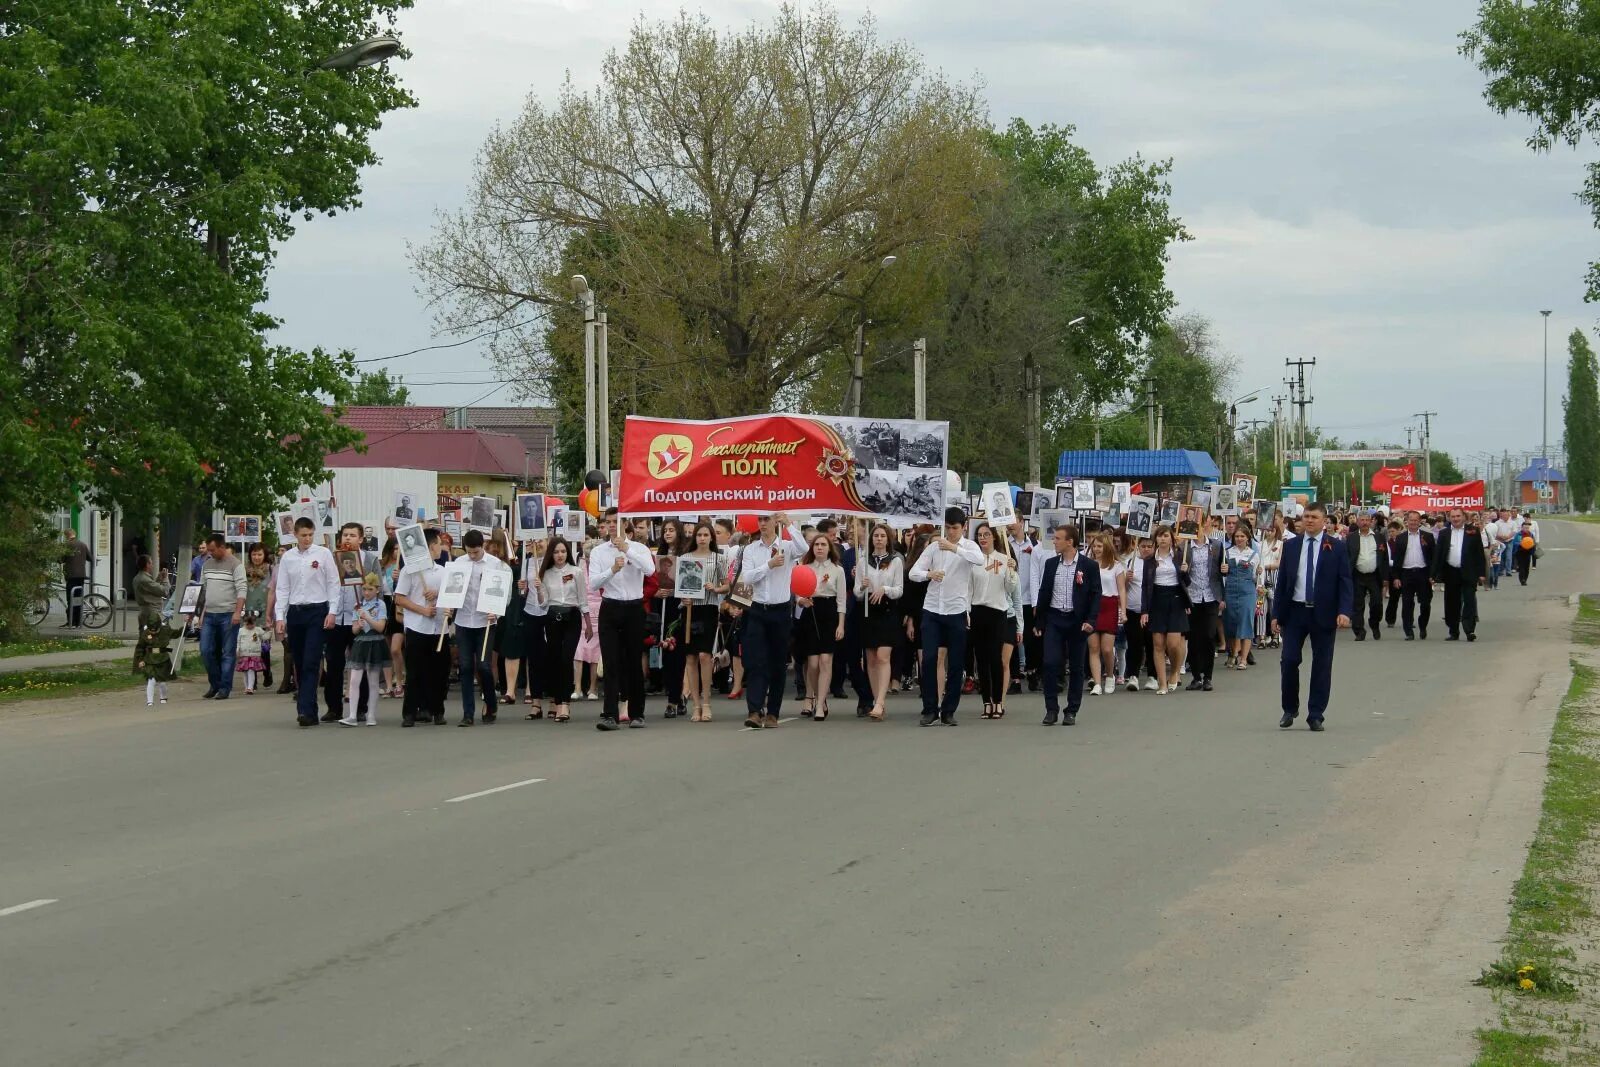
x=765, y=644
x=1415, y=588
x=1202, y=650
x=535, y=658
x=622, y=654
x=427, y=675
x=1369, y=603
x=847, y=660
x=1523, y=560
x=1392, y=612
x=990, y=630
x=1460, y=602
x=560, y=647
x=1139, y=646
x=336, y=648
x=1032, y=644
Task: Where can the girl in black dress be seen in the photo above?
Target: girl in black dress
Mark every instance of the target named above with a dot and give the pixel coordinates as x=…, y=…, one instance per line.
x=880, y=583
x=820, y=626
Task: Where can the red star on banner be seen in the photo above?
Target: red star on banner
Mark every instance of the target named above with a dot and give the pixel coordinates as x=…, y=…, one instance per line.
x=670, y=458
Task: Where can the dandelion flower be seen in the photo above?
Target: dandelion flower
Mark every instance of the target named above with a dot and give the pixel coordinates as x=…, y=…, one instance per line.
x=1526, y=983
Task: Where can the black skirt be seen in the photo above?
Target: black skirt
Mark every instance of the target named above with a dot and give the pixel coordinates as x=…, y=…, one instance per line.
x=814, y=629
x=882, y=626
x=1168, y=611
x=702, y=627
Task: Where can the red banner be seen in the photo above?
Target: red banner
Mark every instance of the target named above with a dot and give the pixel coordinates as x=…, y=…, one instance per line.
x=1420, y=496
x=767, y=463
x=1386, y=478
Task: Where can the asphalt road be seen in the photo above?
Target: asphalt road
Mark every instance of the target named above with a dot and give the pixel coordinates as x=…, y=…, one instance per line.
x=1172, y=880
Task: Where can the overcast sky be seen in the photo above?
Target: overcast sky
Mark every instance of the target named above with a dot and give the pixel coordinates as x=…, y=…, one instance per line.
x=1351, y=197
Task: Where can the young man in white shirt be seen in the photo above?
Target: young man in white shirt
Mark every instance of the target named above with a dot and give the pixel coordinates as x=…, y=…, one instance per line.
x=946, y=564
x=618, y=568
x=427, y=661
x=764, y=569
x=305, y=593
x=472, y=633
x=1030, y=563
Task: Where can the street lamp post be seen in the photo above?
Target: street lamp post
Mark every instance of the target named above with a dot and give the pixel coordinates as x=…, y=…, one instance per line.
x=858, y=368
x=580, y=288
x=1233, y=420
x=1544, y=441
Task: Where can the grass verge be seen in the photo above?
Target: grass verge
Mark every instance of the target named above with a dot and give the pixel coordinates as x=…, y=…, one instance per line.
x=53, y=683
x=1543, y=990
x=45, y=645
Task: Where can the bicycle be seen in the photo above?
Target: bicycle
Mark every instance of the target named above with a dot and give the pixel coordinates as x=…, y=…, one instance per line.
x=97, y=609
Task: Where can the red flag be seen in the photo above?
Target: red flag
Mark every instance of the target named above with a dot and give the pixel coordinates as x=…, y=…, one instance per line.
x=1136, y=489
x=1386, y=478
x=1424, y=497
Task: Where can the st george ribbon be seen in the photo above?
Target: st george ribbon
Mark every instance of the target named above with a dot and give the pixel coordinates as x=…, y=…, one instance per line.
x=759, y=464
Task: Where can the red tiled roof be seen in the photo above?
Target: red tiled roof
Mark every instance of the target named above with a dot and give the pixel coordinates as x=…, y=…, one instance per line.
x=374, y=421
x=534, y=426
x=457, y=451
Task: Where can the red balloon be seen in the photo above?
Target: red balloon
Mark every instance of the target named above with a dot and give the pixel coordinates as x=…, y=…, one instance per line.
x=554, y=501
x=589, y=501
x=747, y=524
x=802, y=581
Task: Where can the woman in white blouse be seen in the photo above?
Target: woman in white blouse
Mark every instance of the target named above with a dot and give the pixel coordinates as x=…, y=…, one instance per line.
x=1271, y=560
x=566, y=612
x=819, y=627
x=990, y=597
x=880, y=582
x=701, y=615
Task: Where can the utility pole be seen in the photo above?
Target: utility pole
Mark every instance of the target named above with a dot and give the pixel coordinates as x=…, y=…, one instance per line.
x=580, y=286
x=603, y=388
x=1544, y=441
x=1427, y=443
x=1254, y=426
x=1149, y=412
x=1031, y=400
x=1303, y=399
x=852, y=405
x=1161, y=411
x=919, y=378
x=1277, y=431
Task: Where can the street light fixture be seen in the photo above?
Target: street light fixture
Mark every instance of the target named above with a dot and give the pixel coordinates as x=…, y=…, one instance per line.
x=367, y=53
x=580, y=289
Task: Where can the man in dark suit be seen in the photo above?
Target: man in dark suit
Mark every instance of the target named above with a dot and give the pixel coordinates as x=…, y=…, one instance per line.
x=1313, y=599
x=1459, y=562
x=1411, y=573
x=1369, y=569
x=1069, y=598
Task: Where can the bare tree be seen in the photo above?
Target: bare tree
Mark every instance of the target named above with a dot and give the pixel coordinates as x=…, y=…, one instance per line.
x=730, y=194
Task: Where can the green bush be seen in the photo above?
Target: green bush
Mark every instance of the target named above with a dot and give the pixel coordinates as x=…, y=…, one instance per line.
x=30, y=556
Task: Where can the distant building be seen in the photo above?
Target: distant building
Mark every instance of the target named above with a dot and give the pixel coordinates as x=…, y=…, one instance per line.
x=1541, y=478
x=1170, y=471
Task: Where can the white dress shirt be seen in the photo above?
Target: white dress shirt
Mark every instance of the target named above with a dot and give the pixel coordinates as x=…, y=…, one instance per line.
x=415, y=587
x=993, y=588
x=770, y=585
x=1022, y=552
x=1458, y=538
x=890, y=581
x=306, y=576
x=1309, y=546
x=626, y=584
x=467, y=614
x=951, y=596
x=1167, y=573
x=563, y=587
x=1413, y=560
x=1367, y=554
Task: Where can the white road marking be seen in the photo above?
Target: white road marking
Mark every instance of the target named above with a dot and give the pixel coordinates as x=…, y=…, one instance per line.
x=29, y=906
x=487, y=792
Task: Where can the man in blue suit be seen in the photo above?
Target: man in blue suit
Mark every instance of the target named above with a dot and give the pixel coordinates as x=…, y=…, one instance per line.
x=1314, y=597
x=1069, y=598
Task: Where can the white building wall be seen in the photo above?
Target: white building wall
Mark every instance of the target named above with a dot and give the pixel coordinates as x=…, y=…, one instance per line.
x=366, y=494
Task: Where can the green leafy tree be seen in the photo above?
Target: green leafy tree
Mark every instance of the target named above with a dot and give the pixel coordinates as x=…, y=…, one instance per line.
x=1581, y=410
x=741, y=190
x=377, y=389
x=1540, y=57
x=155, y=152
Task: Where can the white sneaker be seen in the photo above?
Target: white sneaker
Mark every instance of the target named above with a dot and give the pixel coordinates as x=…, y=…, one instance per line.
x=1133, y=685
x=370, y=721
x=1151, y=686
x=348, y=722
x=591, y=696
x=163, y=700
x=1094, y=690
x=150, y=703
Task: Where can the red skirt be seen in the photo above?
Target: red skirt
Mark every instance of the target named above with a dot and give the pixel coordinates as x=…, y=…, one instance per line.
x=1106, y=621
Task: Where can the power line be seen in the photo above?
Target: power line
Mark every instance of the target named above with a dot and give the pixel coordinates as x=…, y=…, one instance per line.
x=452, y=344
